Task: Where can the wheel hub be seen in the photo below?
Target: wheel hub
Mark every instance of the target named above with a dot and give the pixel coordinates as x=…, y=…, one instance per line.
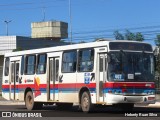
x=85, y=102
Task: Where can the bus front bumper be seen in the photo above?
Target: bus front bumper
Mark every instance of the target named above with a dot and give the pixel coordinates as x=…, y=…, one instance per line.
x=114, y=99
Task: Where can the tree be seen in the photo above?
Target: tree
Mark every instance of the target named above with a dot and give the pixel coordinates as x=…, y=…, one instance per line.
x=157, y=41
x=118, y=36
x=139, y=37
x=129, y=35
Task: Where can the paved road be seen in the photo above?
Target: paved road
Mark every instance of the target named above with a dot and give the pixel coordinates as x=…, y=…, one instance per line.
x=52, y=111
x=74, y=114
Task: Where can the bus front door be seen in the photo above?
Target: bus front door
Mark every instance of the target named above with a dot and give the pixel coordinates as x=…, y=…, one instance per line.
x=101, y=76
x=14, y=80
x=53, y=79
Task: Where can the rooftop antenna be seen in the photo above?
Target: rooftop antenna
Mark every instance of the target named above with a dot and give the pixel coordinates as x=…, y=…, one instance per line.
x=70, y=16
x=7, y=22
x=43, y=12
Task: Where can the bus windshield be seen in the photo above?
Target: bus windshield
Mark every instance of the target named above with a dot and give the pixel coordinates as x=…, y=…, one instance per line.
x=130, y=66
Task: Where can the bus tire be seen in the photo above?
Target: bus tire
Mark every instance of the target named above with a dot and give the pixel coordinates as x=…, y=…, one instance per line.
x=86, y=105
x=29, y=102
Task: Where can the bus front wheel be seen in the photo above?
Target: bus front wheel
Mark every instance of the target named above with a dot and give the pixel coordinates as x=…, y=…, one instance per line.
x=29, y=102
x=86, y=104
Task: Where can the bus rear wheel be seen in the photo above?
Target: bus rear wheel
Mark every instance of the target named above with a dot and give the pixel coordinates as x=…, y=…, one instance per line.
x=86, y=104
x=29, y=102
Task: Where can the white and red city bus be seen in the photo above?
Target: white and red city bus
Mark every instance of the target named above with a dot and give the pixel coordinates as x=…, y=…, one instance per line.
x=104, y=72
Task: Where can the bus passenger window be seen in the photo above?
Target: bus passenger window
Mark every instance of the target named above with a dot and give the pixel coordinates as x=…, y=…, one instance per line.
x=41, y=67
x=86, y=60
x=69, y=61
x=6, y=67
x=30, y=64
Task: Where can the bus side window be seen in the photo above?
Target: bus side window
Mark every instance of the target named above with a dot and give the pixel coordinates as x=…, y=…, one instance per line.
x=86, y=60
x=30, y=64
x=6, y=70
x=69, y=61
x=41, y=66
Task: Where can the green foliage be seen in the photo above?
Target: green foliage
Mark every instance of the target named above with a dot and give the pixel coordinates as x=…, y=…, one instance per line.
x=129, y=36
x=157, y=41
x=139, y=37
x=158, y=66
x=118, y=36
x=157, y=60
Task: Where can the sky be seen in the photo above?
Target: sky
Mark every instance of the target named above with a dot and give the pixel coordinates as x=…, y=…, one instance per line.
x=90, y=19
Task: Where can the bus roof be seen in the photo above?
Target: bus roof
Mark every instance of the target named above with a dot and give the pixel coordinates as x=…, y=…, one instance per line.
x=99, y=43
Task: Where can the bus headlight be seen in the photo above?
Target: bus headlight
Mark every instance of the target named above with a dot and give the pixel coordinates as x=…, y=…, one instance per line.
x=150, y=92
x=117, y=92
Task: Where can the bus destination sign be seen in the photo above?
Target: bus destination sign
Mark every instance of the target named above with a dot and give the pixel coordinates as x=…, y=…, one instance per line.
x=130, y=46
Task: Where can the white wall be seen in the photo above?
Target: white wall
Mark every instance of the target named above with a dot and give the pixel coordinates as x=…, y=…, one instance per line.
x=7, y=44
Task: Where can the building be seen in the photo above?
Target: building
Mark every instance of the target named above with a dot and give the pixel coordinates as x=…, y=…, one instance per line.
x=10, y=43
x=44, y=34
x=50, y=29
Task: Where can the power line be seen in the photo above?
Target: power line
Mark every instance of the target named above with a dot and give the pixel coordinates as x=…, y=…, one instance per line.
x=27, y=3
x=30, y=3
x=121, y=29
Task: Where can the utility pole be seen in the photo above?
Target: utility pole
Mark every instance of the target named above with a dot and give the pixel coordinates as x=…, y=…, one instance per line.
x=7, y=26
x=70, y=16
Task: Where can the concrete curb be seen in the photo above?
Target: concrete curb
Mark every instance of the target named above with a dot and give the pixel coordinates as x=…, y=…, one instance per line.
x=156, y=105
x=11, y=103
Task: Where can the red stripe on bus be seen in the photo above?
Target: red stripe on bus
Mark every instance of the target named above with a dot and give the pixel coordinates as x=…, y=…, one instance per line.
x=64, y=85
x=128, y=85
x=91, y=85
x=5, y=86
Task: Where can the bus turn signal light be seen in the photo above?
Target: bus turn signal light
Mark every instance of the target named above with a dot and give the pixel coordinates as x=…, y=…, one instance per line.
x=151, y=98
